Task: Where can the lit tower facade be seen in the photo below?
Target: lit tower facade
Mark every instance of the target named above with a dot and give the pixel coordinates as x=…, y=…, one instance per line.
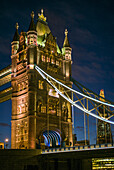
x=39, y=115
x=104, y=134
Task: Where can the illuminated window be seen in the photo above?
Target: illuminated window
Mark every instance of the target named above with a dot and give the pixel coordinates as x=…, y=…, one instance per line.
x=26, y=85
x=18, y=87
x=43, y=58
x=26, y=124
x=57, y=63
x=22, y=86
x=40, y=84
x=34, y=41
x=43, y=109
x=26, y=107
x=52, y=61
x=23, y=108
x=25, y=137
x=25, y=131
x=31, y=40
x=48, y=59
x=19, y=109
x=53, y=93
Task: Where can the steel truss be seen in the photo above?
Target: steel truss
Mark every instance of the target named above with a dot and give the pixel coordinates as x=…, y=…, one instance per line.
x=83, y=99
x=92, y=99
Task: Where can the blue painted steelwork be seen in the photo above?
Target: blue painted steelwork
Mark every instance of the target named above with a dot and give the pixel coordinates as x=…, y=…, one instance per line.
x=51, y=138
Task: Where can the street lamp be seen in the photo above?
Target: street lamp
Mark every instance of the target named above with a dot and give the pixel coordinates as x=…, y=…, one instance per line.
x=6, y=142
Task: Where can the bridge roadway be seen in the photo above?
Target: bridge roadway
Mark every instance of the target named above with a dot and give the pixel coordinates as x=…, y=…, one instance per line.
x=78, y=157
x=68, y=158
x=78, y=148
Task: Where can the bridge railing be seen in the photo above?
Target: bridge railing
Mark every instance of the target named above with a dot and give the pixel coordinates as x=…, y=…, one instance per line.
x=78, y=148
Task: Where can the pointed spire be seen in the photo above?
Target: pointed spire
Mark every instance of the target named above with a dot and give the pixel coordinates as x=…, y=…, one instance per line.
x=16, y=35
x=41, y=16
x=32, y=26
x=66, y=42
x=102, y=95
x=32, y=14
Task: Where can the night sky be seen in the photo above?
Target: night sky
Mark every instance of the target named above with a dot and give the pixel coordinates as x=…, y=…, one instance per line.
x=90, y=25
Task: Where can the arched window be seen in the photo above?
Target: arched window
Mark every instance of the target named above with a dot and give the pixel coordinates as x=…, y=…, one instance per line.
x=18, y=87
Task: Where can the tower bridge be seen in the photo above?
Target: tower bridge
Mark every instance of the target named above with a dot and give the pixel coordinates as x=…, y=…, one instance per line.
x=42, y=95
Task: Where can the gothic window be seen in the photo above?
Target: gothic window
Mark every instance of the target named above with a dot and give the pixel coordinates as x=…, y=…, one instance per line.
x=31, y=40
x=40, y=84
x=43, y=109
x=25, y=131
x=52, y=61
x=18, y=133
x=26, y=84
x=34, y=41
x=53, y=50
x=57, y=63
x=22, y=86
x=19, y=109
x=23, y=108
x=43, y=58
x=22, y=138
x=25, y=137
x=48, y=59
x=22, y=130
x=26, y=107
x=25, y=124
x=18, y=87
x=39, y=106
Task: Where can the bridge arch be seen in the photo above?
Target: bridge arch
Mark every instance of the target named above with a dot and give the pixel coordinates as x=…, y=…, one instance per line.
x=49, y=138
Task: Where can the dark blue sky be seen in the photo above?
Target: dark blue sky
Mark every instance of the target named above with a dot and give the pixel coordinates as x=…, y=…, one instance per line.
x=91, y=35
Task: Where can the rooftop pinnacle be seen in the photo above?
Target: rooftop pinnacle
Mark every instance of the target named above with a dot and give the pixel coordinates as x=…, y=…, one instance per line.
x=41, y=16
x=16, y=35
x=66, y=32
x=32, y=26
x=66, y=42
x=32, y=14
x=17, y=26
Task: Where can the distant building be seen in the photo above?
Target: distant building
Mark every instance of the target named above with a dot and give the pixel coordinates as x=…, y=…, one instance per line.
x=82, y=143
x=104, y=134
x=1, y=145
x=39, y=115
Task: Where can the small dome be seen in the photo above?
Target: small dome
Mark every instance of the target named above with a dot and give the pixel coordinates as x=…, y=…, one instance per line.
x=42, y=26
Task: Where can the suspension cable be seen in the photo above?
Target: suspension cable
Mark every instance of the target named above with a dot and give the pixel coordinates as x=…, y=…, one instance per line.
x=37, y=68
x=73, y=103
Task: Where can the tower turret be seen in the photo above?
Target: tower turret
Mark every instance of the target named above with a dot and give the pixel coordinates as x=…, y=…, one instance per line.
x=32, y=34
x=15, y=42
x=104, y=134
x=32, y=42
x=66, y=50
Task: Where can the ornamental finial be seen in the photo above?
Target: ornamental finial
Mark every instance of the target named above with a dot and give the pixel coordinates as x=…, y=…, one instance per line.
x=41, y=16
x=42, y=11
x=66, y=32
x=17, y=26
x=32, y=14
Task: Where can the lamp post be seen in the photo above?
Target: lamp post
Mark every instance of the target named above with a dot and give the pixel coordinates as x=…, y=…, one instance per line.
x=6, y=142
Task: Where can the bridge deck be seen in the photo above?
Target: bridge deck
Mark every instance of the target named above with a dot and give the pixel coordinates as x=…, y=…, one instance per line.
x=78, y=148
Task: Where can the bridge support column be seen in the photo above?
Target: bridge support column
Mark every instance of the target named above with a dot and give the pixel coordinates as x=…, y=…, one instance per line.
x=70, y=135
x=32, y=133
x=32, y=120
x=13, y=134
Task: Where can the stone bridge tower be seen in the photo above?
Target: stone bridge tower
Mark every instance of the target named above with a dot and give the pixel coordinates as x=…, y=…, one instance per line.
x=40, y=117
